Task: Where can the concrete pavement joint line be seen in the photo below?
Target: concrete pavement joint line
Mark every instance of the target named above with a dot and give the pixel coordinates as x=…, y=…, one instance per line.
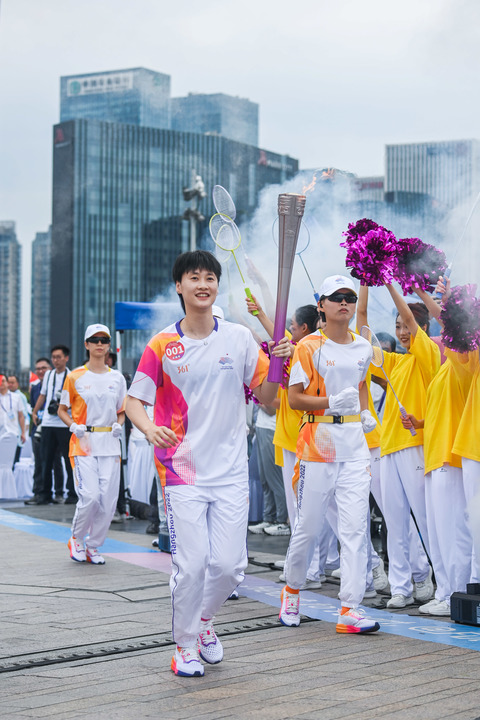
x=313, y=605
x=129, y=645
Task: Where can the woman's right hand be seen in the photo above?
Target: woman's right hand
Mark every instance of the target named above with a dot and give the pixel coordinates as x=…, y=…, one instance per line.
x=161, y=436
x=253, y=305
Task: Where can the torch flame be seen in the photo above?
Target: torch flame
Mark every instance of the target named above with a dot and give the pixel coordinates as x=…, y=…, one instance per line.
x=328, y=174
x=309, y=188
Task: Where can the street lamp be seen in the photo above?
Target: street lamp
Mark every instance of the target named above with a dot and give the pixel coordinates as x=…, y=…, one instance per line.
x=193, y=195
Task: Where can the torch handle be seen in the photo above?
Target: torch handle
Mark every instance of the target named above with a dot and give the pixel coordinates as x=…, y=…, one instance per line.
x=446, y=275
x=248, y=293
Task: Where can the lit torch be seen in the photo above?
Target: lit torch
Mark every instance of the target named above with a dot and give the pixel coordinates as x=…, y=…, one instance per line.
x=290, y=212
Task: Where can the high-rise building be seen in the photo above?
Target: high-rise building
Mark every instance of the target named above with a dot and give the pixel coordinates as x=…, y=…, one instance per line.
x=118, y=206
x=231, y=117
x=448, y=172
x=40, y=305
x=10, y=286
x=136, y=96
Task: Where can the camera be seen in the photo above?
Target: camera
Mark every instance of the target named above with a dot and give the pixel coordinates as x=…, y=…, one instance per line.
x=54, y=404
x=53, y=407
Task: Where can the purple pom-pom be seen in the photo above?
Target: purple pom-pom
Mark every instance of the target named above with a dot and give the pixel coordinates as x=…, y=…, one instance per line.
x=418, y=264
x=460, y=317
x=371, y=251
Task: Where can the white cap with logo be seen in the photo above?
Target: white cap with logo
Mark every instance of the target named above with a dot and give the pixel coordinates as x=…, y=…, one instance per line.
x=94, y=329
x=333, y=283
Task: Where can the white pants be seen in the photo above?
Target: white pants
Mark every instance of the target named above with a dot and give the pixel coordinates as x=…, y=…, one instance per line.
x=289, y=460
x=208, y=530
x=373, y=556
x=402, y=483
x=97, y=480
x=450, y=541
x=325, y=549
x=349, y=483
x=471, y=484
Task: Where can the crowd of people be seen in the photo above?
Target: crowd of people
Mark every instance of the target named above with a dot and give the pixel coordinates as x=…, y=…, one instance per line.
x=328, y=438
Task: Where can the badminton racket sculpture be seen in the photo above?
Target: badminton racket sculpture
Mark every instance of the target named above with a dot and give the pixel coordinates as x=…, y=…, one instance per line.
x=290, y=212
x=223, y=202
x=377, y=360
x=302, y=245
x=227, y=238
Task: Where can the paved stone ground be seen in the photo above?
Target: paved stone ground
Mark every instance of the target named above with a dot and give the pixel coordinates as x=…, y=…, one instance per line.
x=94, y=642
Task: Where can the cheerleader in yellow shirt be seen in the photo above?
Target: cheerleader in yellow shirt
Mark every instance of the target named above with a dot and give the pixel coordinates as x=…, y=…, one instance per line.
x=402, y=479
x=449, y=538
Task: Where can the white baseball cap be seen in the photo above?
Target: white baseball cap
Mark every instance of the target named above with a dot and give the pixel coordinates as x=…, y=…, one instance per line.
x=218, y=312
x=333, y=283
x=94, y=329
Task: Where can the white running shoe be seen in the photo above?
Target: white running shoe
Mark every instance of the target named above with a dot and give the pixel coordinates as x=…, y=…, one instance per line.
x=336, y=574
x=289, y=611
x=424, y=609
x=281, y=577
x=355, y=621
x=400, y=601
x=279, y=529
x=311, y=584
x=77, y=550
x=94, y=557
x=380, y=579
x=260, y=527
x=186, y=662
x=209, y=646
x=423, y=591
x=441, y=609
x=370, y=593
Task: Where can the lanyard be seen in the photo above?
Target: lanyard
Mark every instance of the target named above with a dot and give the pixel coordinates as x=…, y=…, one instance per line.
x=3, y=406
x=54, y=374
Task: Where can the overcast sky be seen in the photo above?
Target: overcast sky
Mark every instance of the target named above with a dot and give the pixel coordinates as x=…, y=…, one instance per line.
x=336, y=80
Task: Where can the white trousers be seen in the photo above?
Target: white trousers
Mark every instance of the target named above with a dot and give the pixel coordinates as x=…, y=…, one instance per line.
x=208, y=530
x=373, y=556
x=471, y=484
x=402, y=484
x=97, y=479
x=349, y=484
x=326, y=547
x=289, y=460
x=450, y=541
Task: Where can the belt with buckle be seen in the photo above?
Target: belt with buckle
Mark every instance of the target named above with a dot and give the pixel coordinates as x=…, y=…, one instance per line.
x=96, y=428
x=335, y=419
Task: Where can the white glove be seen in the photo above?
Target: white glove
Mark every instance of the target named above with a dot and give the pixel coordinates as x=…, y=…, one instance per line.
x=78, y=430
x=368, y=421
x=116, y=430
x=346, y=402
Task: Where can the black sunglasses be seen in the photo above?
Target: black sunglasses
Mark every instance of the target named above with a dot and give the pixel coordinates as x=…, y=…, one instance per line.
x=99, y=339
x=337, y=297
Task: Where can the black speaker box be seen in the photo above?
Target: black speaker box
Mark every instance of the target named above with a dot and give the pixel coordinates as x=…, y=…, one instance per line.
x=465, y=607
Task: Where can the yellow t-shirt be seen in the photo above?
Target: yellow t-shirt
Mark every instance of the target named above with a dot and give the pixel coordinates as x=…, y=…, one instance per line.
x=446, y=396
x=410, y=376
x=372, y=438
x=467, y=439
x=288, y=423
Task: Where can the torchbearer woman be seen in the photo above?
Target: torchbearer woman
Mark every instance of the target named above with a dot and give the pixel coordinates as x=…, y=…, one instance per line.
x=96, y=395
x=327, y=382
x=193, y=373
